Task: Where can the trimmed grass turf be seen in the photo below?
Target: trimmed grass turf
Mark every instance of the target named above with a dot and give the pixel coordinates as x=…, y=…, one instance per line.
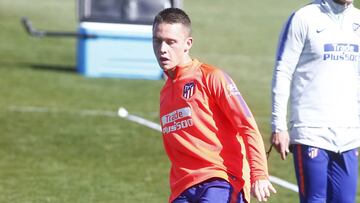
x=66, y=157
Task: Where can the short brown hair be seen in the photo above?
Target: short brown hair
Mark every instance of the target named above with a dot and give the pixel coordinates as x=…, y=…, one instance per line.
x=173, y=16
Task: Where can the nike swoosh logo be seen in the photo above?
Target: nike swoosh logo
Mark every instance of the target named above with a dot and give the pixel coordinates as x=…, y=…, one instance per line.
x=320, y=30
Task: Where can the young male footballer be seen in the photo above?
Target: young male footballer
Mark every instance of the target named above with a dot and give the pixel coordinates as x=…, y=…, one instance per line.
x=205, y=122
x=317, y=67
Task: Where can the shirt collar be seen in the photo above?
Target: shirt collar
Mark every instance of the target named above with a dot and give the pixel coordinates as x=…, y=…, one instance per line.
x=185, y=69
x=334, y=8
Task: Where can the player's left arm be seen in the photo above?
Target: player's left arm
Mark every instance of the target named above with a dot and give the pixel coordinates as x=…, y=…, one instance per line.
x=235, y=108
x=261, y=189
x=237, y=111
x=358, y=88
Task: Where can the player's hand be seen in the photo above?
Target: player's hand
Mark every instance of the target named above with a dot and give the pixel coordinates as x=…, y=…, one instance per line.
x=281, y=140
x=261, y=190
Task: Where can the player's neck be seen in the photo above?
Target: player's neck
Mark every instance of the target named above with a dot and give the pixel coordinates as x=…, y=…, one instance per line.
x=174, y=72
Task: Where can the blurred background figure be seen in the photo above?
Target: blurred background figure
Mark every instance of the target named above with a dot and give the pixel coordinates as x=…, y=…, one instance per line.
x=317, y=66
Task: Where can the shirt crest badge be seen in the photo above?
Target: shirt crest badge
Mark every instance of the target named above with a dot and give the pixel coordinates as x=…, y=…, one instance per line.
x=189, y=90
x=355, y=26
x=313, y=152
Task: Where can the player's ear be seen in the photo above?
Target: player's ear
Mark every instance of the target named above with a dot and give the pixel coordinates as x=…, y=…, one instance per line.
x=188, y=45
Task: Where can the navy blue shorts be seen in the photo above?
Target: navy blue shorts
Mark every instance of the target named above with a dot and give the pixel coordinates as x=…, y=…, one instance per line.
x=325, y=176
x=210, y=191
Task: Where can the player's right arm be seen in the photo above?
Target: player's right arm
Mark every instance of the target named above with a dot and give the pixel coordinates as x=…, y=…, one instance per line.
x=290, y=46
x=281, y=140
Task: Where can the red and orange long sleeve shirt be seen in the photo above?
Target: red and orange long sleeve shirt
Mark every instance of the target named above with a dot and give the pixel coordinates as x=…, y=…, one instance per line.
x=208, y=130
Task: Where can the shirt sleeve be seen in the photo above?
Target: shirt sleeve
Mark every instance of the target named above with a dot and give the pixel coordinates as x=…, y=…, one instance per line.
x=290, y=46
x=358, y=90
x=232, y=104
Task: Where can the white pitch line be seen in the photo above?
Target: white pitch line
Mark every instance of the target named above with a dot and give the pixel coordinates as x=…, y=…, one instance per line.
x=124, y=114
x=84, y=112
x=144, y=122
x=97, y=113
x=284, y=183
x=33, y=109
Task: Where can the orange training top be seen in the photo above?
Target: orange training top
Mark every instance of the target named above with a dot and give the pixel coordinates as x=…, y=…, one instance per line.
x=205, y=122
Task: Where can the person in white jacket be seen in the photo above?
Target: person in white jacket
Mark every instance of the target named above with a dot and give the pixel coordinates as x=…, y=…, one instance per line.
x=317, y=72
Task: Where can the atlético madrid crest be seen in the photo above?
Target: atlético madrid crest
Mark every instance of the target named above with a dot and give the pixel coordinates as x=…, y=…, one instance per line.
x=355, y=26
x=189, y=90
x=313, y=152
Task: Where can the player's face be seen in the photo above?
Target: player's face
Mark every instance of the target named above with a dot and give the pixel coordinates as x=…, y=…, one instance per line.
x=171, y=44
x=343, y=2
